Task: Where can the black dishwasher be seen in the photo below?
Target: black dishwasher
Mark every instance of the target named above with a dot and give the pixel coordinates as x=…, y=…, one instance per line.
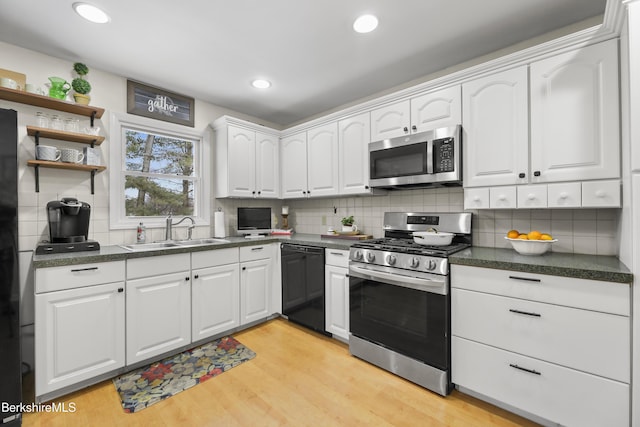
x=303, y=285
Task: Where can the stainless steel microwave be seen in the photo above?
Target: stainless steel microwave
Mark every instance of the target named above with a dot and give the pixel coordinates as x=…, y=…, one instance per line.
x=426, y=159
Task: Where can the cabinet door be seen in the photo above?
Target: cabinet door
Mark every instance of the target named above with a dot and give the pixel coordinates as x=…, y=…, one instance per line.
x=575, y=115
x=436, y=109
x=495, y=128
x=242, y=162
x=158, y=315
x=293, y=156
x=390, y=121
x=255, y=290
x=322, y=160
x=337, y=301
x=215, y=300
x=353, y=142
x=79, y=334
x=267, y=172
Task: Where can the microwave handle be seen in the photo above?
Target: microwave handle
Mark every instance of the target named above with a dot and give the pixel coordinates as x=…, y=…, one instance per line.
x=430, y=157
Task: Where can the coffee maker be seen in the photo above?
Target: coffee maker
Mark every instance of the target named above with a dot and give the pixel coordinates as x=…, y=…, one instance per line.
x=68, y=227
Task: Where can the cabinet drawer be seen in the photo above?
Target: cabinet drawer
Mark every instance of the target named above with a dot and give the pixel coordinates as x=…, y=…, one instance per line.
x=76, y=276
x=337, y=257
x=158, y=265
x=252, y=253
x=214, y=258
x=553, y=392
x=607, y=297
x=601, y=194
x=565, y=195
x=586, y=340
x=502, y=198
x=532, y=196
x=476, y=198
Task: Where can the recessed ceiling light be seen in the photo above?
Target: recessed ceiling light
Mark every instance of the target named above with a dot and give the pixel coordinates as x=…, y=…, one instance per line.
x=261, y=83
x=91, y=13
x=365, y=24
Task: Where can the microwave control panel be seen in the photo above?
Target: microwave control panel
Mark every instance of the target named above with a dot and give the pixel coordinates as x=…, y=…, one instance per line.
x=443, y=155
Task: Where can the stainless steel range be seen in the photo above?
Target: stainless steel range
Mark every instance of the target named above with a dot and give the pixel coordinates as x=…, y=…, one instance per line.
x=399, y=297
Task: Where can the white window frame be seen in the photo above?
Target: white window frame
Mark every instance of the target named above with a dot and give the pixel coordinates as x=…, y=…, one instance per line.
x=202, y=186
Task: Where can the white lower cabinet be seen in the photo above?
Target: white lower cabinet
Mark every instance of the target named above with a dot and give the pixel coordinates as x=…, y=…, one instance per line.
x=158, y=306
x=255, y=282
x=553, y=347
x=215, y=292
x=79, y=324
x=337, y=293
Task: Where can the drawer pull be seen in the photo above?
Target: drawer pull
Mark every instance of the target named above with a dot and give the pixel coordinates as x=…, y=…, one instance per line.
x=336, y=253
x=258, y=248
x=75, y=270
x=527, y=279
x=526, y=313
x=531, y=371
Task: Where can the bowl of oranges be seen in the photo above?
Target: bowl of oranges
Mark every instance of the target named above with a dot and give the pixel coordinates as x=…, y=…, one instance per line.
x=531, y=243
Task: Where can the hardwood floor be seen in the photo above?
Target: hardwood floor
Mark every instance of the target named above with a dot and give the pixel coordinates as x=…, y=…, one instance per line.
x=298, y=378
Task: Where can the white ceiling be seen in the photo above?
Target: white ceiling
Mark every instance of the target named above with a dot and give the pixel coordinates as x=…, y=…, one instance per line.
x=212, y=49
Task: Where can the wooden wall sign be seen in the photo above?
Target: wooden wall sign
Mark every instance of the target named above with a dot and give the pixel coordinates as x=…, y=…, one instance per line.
x=156, y=103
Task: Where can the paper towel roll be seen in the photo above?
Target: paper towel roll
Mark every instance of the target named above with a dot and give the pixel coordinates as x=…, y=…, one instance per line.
x=218, y=224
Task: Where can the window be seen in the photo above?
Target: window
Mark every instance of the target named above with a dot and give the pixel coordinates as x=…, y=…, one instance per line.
x=157, y=169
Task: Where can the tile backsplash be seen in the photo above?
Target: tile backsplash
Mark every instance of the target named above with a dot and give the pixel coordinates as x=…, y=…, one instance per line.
x=586, y=231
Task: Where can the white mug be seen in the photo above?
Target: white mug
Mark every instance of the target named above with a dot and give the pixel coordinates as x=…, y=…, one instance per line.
x=70, y=155
x=31, y=88
x=7, y=82
x=47, y=152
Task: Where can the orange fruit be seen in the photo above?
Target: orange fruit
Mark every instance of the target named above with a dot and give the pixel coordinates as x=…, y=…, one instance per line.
x=513, y=234
x=534, y=235
x=546, y=237
x=523, y=237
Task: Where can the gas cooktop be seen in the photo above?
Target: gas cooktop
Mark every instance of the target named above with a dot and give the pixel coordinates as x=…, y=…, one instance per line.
x=391, y=244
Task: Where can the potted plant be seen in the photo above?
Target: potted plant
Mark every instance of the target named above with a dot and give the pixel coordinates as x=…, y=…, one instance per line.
x=347, y=224
x=80, y=85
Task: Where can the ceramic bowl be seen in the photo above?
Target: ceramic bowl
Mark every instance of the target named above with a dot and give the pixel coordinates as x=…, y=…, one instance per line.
x=531, y=247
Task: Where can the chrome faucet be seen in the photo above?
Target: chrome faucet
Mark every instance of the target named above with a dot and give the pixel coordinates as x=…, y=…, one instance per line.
x=168, y=231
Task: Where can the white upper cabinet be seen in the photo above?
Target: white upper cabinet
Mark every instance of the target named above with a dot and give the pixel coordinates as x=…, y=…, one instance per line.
x=310, y=163
x=267, y=165
x=575, y=115
x=322, y=160
x=424, y=112
x=437, y=109
x=391, y=121
x=495, y=128
x=247, y=160
x=293, y=161
x=353, y=155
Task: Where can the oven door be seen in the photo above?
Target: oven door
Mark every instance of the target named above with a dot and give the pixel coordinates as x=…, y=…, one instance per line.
x=407, y=314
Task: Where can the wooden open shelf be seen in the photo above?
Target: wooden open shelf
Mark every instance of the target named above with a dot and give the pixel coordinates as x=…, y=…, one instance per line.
x=52, y=103
x=63, y=165
x=62, y=135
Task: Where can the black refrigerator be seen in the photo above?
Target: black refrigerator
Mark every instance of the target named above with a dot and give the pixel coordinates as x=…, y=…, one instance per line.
x=10, y=360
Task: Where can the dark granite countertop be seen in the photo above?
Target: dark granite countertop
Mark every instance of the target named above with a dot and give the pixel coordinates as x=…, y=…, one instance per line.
x=595, y=267
x=117, y=253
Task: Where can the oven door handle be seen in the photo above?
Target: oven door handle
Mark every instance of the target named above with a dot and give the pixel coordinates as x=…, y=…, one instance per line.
x=435, y=286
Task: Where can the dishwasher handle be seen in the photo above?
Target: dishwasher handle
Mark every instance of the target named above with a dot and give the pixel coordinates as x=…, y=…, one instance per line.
x=301, y=248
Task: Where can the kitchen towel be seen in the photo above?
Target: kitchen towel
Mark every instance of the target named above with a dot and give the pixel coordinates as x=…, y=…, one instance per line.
x=218, y=224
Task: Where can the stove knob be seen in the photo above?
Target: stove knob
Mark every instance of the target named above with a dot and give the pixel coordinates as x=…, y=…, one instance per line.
x=414, y=262
x=391, y=260
x=357, y=255
x=371, y=256
x=431, y=265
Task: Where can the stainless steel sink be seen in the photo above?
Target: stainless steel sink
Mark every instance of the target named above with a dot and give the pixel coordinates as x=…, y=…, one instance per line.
x=138, y=247
x=198, y=242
